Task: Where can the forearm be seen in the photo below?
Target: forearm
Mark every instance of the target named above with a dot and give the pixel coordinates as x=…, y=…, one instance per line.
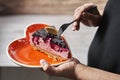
x=88, y=73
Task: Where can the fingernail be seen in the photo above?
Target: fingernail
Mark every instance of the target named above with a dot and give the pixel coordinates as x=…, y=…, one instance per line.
x=75, y=23
x=74, y=28
x=43, y=62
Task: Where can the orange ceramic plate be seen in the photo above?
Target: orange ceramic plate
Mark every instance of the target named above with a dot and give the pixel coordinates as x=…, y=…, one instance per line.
x=21, y=52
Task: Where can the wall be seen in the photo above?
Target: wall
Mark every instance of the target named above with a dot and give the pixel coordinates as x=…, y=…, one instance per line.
x=44, y=6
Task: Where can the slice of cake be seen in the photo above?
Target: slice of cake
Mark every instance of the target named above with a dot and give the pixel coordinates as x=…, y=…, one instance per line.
x=47, y=41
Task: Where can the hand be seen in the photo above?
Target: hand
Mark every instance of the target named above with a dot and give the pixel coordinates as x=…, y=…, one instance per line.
x=81, y=14
x=64, y=70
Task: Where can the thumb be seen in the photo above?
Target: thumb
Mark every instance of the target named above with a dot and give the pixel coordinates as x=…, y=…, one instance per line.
x=51, y=70
x=44, y=64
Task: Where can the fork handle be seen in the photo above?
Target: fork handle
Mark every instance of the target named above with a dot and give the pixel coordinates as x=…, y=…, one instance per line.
x=73, y=21
x=62, y=29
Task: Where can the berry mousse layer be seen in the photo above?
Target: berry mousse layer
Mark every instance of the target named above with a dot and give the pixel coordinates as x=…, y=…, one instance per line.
x=49, y=43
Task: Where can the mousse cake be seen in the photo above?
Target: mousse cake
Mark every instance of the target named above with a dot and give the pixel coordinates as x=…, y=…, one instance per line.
x=47, y=41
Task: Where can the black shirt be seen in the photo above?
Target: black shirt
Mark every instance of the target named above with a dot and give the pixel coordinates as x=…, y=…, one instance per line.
x=104, y=52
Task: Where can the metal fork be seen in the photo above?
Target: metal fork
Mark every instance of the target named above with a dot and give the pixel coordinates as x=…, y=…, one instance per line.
x=63, y=28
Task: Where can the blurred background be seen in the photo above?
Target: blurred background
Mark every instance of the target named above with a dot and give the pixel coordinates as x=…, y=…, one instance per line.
x=44, y=6
x=16, y=15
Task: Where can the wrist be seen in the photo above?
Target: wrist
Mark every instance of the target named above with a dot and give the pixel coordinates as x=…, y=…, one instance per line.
x=79, y=69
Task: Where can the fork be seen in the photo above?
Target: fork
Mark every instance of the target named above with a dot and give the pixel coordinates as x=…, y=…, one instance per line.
x=63, y=28
x=92, y=9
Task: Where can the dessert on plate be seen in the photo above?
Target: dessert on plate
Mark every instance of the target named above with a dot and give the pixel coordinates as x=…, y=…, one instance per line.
x=47, y=41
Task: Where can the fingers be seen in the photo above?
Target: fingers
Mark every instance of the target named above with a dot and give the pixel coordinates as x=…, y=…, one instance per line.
x=90, y=19
x=87, y=19
x=47, y=68
x=78, y=13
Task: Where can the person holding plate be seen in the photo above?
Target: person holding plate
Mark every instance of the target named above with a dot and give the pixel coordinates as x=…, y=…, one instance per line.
x=104, y=52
